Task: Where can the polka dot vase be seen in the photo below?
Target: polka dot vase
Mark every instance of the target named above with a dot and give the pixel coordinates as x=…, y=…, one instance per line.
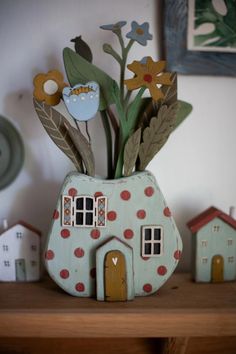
x=112, y=239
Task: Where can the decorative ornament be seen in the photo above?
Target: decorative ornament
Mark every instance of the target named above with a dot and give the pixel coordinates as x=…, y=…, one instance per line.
x=48, y=87
x=139, y=33
x=149, y=75
x=82, y=101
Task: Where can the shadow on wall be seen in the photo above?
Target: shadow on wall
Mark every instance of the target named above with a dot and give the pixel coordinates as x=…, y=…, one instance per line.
x=37, y=199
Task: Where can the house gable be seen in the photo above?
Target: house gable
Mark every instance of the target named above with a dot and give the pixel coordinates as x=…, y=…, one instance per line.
x=209, y=214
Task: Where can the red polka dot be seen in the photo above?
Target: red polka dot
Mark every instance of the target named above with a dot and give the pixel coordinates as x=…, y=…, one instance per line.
x=128, y=233
x=79, y=252
x=161, y=270
x=55, y=214
x=72, y=192
x=93, y=273
x=65, y=233
x=149, y=191
x=125, y=195
x=145, y=258
x=177, y=254
x=49, y=255
x=64, y=273
x=141, y=214
x=80, y=287
x=167, y=212
x=95, y=233
x=111, y=215
x=98, y=194
x=147, y=288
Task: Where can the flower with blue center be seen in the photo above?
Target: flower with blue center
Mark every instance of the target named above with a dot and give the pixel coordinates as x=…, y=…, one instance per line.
x=139, y=33
x=114, y=27
x=82, y=101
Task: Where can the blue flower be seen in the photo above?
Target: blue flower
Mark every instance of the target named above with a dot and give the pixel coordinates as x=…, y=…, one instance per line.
x=114, y=27
x=139, y=33
x=82, y=101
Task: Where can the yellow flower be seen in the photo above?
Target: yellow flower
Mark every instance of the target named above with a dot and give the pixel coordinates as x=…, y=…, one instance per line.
x=48, y=87
x=150, y=75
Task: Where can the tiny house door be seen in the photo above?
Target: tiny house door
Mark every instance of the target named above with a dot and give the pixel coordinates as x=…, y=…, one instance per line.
x=217, y=269
x=115, y=277
x=20, y=270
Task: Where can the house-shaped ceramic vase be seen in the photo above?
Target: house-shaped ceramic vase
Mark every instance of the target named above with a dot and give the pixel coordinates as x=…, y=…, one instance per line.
x=20, y=253
x=213, y=246
x=112, y=239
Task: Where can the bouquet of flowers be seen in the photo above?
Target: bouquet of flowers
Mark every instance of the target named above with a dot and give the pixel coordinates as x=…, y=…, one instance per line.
x=141, y=125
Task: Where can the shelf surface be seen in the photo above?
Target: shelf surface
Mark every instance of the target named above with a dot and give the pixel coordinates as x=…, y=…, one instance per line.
x=180, y=308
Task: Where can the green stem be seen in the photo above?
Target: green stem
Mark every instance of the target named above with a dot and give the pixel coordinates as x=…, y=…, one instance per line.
x=107, y=48
x=125, y=51
x=107, y=129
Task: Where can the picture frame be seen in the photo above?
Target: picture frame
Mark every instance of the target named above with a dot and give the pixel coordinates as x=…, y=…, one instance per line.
x=185, y=61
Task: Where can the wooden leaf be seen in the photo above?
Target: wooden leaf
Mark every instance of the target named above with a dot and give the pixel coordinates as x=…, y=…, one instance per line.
x=80, y=71
x=184, y=110
x=170, y=92
x=83, y=147
x=131, y=152
x=54, y=124
x=157, y=133
x=149, y=107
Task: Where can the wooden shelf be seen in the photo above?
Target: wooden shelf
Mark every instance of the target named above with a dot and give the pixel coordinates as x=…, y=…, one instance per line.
x=181, y=308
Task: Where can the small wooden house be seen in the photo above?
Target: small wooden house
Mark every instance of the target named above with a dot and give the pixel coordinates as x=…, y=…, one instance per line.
x=20, y=253
x=213, y=246
x=113, y=239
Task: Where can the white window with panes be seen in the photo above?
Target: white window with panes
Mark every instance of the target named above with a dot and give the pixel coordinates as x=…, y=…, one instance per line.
x=152, y=241
x=84, y=211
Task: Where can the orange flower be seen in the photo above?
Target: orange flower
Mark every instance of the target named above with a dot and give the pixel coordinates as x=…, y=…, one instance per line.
x=150, y=75
x=48, y=87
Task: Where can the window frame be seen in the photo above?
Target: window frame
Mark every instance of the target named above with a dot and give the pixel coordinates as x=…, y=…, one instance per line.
x=152, y=241
x=84, y=211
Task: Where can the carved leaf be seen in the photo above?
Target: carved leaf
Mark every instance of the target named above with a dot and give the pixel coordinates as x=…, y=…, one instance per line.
x=131, y=152
x=54, y=124
x=157, y=133
x=149, y=107
x=83, y=147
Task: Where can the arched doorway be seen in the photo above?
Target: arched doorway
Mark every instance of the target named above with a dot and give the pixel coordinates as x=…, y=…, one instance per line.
x=217, y=269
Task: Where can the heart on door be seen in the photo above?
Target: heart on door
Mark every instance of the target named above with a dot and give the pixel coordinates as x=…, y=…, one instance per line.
x=115, y=260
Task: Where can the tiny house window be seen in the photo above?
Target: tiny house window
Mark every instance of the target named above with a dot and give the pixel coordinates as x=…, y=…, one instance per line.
x=19, y=235
x=204, y=260
x=152, y=241
x=84, y=211
x=216, y=228
x=33, y=263
x=7, y=263
x=231, y=259
x=34, y=248
x=204, y=243
x=5, y=248
x=230, y=242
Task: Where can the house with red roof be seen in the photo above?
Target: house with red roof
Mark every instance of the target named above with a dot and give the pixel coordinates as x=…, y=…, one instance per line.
x=20, y=253
x=213, y=246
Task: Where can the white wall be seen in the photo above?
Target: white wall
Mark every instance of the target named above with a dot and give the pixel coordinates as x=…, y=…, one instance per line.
x=195, y=169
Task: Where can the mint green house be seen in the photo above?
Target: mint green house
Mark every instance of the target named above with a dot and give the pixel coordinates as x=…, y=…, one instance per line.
x=213, y=246
x=112, y=239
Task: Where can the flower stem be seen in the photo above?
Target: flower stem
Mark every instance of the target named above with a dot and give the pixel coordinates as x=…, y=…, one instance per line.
x=107, y=129
x=125, y=52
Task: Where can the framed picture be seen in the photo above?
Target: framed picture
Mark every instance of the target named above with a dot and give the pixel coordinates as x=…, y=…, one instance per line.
x=200, y=36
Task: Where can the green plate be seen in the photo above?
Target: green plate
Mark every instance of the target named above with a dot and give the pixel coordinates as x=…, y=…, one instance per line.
x=11, y=152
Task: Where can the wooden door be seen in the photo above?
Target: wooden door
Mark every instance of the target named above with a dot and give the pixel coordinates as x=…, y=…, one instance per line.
x=20, y=270
x=217, y=269
x=115, y=277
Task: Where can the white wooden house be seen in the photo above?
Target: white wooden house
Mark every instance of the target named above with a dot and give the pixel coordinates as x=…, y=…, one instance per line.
x=20, y=253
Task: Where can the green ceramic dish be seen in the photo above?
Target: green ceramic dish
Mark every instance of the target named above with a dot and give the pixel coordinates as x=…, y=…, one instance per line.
x=11, y=152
